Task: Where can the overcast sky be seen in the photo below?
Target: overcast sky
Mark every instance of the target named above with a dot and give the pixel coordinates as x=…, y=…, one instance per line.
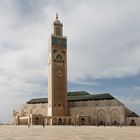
x=103, y=49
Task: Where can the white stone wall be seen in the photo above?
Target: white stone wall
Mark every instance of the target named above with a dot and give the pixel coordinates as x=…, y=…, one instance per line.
x=136, y=119
x=106, y=111
x=28, y=109
x=34, y=109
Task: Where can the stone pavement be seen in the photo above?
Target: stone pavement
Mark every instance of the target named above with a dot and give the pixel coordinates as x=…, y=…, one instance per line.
x=69, y=133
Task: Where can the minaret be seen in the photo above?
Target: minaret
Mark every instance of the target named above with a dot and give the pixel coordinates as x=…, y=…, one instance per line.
x=57, y=78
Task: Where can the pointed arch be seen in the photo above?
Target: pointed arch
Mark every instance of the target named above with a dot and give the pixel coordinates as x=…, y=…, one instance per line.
x=101, y=117
x=115, y=117
x=25, y=114
x=82, y=112
x=39, y=112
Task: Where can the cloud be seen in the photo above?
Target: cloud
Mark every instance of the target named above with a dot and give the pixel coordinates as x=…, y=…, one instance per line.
x=23, y=58
x=106, y=41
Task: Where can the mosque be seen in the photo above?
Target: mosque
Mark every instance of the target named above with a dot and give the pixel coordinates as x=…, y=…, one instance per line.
x=70, y=108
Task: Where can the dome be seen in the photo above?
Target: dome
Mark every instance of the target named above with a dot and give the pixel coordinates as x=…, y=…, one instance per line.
x=56, y=21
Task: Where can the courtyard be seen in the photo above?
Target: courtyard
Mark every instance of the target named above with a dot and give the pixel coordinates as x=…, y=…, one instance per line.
x=68, y=133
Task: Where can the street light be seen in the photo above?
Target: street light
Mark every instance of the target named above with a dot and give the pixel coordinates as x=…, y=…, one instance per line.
x=77, y=119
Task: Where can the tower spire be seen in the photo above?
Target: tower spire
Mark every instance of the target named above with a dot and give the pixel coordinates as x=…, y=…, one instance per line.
x=57, y=15
x=58, y=27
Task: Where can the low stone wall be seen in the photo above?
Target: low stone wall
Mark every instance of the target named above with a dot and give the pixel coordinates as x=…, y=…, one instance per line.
x=133, y=121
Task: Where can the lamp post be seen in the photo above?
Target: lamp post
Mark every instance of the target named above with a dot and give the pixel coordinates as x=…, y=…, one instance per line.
x=77, y=119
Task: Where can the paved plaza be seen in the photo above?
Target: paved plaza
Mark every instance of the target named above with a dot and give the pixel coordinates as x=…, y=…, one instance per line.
x=69, y=133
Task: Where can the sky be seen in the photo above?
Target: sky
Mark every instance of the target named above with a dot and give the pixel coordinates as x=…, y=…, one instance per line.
x=103, y=38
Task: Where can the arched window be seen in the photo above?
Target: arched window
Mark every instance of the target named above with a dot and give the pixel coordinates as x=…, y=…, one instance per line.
x=58, y=31
x=59, y=58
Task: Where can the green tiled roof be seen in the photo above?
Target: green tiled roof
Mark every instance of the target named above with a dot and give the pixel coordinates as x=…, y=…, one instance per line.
x=76, y=93
x=133, y=114
x=105, y=96
x=38, y=100
x=76, y=96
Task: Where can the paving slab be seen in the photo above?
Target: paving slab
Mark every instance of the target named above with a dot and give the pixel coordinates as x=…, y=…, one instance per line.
x=68, y=133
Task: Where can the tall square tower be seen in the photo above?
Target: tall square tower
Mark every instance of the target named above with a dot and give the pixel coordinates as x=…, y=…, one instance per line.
x=57, y=71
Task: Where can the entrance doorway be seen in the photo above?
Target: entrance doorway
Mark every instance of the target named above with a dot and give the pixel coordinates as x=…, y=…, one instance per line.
x=115, y=123
x=101, y=123
x=133, y=123
x=37, y=121
x=60, y=121
x=69, y=121
x=82, y=121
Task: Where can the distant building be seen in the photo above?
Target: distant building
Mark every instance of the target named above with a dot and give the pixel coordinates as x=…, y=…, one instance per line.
x=72, y=108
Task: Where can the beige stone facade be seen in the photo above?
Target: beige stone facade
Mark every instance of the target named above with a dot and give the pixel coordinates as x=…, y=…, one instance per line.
x=100, y=112
x=109, y=112
x=75, y=108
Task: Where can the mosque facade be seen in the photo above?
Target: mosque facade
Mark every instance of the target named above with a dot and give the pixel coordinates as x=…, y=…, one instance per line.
x=70, y=108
